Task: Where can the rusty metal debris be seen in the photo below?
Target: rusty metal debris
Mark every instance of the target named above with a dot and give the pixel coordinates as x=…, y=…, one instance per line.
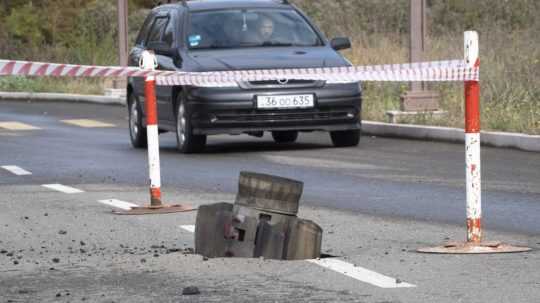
x=474, y=248
x=261, y=223
x=155, y=210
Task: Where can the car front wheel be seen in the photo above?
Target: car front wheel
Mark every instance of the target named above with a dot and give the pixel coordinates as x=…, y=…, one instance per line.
x=187, y=142
x=137, y=131
x=345, y=138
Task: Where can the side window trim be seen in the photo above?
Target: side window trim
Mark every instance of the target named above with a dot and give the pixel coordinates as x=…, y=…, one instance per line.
x=172, y=21
x=182, y=27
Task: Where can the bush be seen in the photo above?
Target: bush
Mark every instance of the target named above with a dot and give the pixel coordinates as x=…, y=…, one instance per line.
x=93, y=39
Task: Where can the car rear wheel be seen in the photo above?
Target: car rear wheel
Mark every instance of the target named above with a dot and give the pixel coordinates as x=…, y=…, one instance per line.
x=137, y=132
x=187, y=142
x=285, y=136
x=345, y=138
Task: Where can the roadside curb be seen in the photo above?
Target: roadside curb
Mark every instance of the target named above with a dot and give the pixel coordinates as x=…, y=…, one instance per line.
x=497, y=139
x=98, y=99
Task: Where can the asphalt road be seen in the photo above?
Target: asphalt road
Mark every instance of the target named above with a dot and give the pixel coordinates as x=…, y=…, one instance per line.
x=389, y=177
x=393, y=194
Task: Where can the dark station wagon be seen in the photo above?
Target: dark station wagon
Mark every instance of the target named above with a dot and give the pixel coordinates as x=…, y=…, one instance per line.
x=224, y=35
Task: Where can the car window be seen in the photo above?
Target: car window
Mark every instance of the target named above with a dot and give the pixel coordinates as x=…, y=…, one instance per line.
x=249, y=28
x=144, y=31
x=157, y=30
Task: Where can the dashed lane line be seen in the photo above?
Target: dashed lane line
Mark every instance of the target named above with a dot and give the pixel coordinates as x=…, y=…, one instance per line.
x=189, y=228
x=325, y=163
x=16, y=170
x=118, y=204
x=349, y=270
x=11, y=125
x=87, y=123
x=361, y=274
x=63, y=188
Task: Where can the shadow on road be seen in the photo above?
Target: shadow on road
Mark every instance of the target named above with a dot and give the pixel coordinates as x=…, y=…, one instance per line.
x=249, y=147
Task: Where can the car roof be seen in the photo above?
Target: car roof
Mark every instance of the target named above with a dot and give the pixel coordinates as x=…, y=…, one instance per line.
x=199, y=5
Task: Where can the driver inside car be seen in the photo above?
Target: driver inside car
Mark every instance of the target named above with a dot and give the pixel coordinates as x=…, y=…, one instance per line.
x=266, y=29
x=264, y=32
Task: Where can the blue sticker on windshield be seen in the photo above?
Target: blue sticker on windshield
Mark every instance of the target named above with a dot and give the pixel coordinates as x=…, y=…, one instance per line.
x=194, y=40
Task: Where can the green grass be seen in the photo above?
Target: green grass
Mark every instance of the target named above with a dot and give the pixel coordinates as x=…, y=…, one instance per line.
x=510, y=73
x=52, y=85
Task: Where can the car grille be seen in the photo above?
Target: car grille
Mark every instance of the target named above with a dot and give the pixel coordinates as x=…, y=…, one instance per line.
x=281, y=84
x=285, y=115
x=275, y=82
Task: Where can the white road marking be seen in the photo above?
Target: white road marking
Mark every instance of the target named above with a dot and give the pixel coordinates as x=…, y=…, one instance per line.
x=10, y=125
x=323, y=163
x=348, y=269
x=63, y=188
x=16, y=170
x=361, y=274
x=87, y=123
x=118, y=204
x=189, y=228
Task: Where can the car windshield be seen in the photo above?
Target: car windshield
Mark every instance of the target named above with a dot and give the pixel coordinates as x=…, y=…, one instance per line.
x=249, y=28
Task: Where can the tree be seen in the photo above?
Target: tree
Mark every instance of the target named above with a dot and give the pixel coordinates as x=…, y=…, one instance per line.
x=25, y=25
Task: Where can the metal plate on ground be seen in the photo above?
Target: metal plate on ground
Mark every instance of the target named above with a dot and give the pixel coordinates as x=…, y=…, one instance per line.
x=474, y=248
x=151, y=210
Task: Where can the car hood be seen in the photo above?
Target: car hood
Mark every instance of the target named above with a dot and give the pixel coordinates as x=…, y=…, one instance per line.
x=265, y=58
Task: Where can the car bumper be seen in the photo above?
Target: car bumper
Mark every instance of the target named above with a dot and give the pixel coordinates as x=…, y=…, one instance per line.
x=234, y=111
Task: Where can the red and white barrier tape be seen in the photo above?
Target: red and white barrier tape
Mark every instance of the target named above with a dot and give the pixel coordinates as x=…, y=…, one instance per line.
x=436, y=71
x=27, y=68
x=455, y=70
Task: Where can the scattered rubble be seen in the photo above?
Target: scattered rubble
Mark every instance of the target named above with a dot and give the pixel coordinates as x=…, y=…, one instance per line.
x=190, y=290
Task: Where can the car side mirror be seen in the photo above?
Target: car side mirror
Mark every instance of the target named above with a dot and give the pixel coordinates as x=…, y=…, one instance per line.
x=163, y=49
x=340, y=43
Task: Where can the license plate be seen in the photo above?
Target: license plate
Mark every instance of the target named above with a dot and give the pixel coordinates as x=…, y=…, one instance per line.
x=285, y=101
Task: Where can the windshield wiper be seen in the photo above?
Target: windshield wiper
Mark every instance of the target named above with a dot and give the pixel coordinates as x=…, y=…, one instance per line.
x=214, y=46
x=270, y=43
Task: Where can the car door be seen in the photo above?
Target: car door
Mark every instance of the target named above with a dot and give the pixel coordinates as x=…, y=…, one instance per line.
x=169, y=62
x=135, y=55
x=155, y=40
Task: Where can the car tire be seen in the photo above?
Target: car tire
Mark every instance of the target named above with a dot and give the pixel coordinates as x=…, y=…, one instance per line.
x=345, y=138
x=285, y=136
x=137, y=132
x=186, y=141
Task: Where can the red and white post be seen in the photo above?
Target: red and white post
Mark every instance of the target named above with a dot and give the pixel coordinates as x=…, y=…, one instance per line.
x=474, y=243
x=148, y=62
x=472, y=143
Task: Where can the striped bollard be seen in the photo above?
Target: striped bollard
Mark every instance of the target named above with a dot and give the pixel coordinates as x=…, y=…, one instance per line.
x=474, y=244
x=472, y=143
x=148, y=62
x=153, y=140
